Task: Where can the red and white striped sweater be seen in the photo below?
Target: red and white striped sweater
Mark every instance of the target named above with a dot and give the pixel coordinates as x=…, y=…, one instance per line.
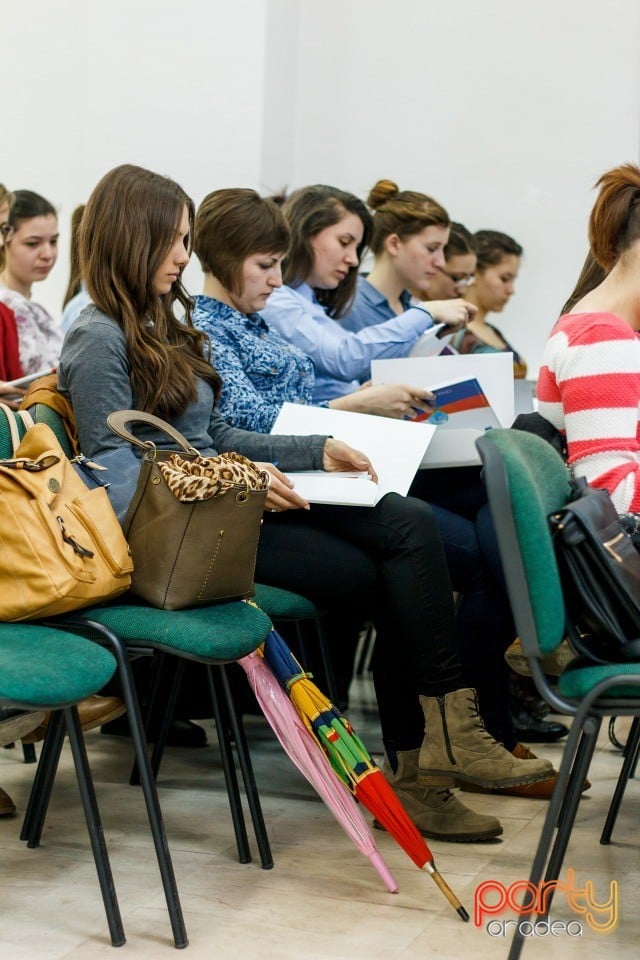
x=589, y=387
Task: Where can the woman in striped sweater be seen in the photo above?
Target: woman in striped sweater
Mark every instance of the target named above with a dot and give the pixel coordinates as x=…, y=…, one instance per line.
x=589, y=382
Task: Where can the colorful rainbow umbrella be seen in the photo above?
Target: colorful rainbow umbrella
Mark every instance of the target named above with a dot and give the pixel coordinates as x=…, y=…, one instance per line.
x=350, y=759
x=302, y=749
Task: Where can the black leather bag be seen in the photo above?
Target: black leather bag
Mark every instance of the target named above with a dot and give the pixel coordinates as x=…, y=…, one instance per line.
x=600, y=571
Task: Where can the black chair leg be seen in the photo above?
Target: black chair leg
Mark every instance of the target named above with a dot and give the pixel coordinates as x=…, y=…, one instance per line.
x=579, y=772
x=147, y=781
x=325, y=655
x=160, y=731
x=222, y=722
x=96, y=834
x=631, y=750
x=251, y=790
x=43, y=781
x=29, y=752
x=579, y=729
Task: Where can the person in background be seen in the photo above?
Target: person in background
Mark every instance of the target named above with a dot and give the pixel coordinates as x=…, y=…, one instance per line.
x=240, y=240
x=460, y=259
x=589, y=381
x=30, y=253
x=128, y=350
x=496, y=271
x=10, y=367
x=409, y=236
x=76, y=297
x=330, y=229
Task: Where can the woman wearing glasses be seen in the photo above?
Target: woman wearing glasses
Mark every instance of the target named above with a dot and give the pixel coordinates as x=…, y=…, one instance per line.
x=452, y=280
x=493, y=286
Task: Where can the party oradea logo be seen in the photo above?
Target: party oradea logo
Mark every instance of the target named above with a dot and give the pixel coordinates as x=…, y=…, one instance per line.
x=530, y=902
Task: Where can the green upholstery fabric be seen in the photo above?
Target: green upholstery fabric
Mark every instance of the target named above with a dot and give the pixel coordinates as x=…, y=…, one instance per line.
x=538, y=485
x=6, y=447
x=281, y=604
x=45, y=667
x=215, y=634
x=577, y=681
x=41, y=413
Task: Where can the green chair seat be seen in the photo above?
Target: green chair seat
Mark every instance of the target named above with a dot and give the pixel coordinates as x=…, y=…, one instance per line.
x=43, y=667
x=217, y=634
x=281, y=604
x=577, y=681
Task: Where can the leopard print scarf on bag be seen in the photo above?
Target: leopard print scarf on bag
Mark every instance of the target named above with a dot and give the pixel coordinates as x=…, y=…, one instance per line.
x=208, y=477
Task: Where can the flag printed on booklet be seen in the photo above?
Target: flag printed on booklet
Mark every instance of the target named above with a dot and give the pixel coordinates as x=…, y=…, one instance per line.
x=460, y=403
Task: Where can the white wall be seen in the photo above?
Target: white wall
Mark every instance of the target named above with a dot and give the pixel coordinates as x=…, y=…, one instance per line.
x=506, y=111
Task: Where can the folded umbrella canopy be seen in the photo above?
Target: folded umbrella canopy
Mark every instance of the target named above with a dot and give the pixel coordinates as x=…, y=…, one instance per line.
x=350, y=759
x=302, y=749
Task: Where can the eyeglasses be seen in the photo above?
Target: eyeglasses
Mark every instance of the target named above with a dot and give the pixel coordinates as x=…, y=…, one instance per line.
x=459, y=279
x=6, y=230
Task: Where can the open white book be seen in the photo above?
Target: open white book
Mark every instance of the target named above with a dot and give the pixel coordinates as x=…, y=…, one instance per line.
x=493, y=372
x=395, y=448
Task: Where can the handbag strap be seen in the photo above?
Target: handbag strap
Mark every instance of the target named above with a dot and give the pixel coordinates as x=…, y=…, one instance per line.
x=12, y=416
x=119, y=420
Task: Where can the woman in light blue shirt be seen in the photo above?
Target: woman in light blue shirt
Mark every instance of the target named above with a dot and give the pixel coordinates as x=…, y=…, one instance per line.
x=330, y=230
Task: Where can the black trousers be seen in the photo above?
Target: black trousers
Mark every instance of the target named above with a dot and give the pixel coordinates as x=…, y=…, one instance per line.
x=386, y=564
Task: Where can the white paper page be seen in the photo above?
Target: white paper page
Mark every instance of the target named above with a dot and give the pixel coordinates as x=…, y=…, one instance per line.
x=395, y=447
x=430, y=344
x=353, y=489
x=494, y=372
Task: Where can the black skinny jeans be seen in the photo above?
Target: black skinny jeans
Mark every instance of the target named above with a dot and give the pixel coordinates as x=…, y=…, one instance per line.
x=386, y=564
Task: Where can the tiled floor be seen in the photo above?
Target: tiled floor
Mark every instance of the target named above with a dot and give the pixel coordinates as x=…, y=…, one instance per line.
x=321, y=900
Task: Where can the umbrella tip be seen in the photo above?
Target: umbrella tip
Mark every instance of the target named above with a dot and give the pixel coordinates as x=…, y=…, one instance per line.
x=462, y=913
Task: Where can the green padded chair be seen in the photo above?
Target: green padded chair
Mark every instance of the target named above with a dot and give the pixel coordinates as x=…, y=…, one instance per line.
x=229, y=631
x=213, y=636
x=46, y=669
x=526, y=480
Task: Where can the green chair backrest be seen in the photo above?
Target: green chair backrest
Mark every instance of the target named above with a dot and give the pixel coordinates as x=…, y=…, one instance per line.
x=6, y=447
x=42, y=413
x=526, y=481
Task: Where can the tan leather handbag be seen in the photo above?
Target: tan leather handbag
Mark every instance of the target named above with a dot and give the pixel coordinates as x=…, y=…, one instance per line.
x=61, y=546
x=193, y=525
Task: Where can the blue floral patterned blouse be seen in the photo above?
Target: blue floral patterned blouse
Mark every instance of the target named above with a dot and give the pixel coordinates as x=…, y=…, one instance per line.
x=259, y=370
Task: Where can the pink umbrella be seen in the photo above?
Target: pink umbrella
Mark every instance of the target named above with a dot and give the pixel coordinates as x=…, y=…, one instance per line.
x=303, y=750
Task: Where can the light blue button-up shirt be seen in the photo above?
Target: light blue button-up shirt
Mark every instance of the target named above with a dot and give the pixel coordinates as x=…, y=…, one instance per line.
x=370, y=307
x=342, y=358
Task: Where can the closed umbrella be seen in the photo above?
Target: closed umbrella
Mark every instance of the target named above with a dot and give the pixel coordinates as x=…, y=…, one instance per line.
x=302, y=749
x=351, y=760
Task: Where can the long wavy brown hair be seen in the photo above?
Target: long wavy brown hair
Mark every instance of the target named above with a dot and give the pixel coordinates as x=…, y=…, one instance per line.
x=127, y=229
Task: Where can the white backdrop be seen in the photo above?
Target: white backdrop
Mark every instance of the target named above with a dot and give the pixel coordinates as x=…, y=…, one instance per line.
x=505, y=111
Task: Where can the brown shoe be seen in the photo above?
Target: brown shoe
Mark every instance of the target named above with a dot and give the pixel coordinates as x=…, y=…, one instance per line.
x=93, y=712
x=541, y=790
x=16, y=724
x=7, y=806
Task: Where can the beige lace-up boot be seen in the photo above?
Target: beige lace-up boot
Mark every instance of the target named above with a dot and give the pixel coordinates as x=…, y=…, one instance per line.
x=435, y=811
x=458, y=747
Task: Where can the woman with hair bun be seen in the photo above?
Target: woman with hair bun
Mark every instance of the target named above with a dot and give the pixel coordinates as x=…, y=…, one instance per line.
x=589, y=381
x=409, y=235
x=493, y=285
